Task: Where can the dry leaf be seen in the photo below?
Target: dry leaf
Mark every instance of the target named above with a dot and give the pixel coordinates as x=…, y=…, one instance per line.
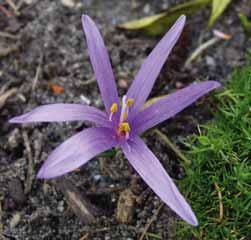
x=56, y=88
x=159, y=23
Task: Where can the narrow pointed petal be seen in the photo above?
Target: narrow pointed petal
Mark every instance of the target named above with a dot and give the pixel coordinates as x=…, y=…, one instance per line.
x=63, y=112
x=100, y=62
x=171, y=105
x=150, y=169
x=144, y=80
x=76, y=151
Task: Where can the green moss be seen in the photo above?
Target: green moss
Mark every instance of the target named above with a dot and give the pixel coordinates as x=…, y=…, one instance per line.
x=221, y=165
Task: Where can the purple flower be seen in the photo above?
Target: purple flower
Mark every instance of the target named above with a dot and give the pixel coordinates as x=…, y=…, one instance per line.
x=121, y=123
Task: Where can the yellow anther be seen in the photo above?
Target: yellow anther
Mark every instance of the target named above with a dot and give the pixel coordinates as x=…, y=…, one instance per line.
x=129, y=102
x=124, y=127
x=125, y=115
x=114, y=108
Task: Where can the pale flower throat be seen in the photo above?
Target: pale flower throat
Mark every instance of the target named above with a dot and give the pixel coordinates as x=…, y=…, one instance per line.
x=124, y=126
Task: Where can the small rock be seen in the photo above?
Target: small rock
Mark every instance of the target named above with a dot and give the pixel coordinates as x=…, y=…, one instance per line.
x=85, y=100
x=68, y=3
x=125, y=207
x=123, y=83
x=60, y=206
x=179, y=85
x=147, y=8
x=16, y=191
x=15, y=220
x=210, y=61
x=46, y=188
x=28, y=2
x=97, y=178
x=98, y=102
x=14, y=138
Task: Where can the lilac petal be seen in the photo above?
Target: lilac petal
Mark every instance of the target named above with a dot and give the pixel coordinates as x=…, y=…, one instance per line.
x=100, y=62
x=150, y=169
x=63, y=112
x=170, y=105
x=76, y=151
x=144, y=80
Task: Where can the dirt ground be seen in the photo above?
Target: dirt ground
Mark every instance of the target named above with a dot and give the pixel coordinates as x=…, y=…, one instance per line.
x=48, y=62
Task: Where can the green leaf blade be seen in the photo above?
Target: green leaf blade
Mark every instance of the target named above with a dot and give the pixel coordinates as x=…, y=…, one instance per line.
x=218, y=8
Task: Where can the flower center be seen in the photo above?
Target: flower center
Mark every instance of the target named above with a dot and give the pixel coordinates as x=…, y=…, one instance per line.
x=123, y=128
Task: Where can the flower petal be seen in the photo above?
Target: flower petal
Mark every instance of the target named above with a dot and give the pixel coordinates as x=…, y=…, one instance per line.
x=100, y=63
x=76, y=151
x=150, y=169
x=144, y=80
x=170, y=105
x=60, y=112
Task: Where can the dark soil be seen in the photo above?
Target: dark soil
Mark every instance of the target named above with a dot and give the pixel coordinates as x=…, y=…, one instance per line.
x=50, y=41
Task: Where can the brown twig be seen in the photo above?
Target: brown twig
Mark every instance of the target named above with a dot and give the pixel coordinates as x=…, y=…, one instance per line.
x=150, y=222
x=38, y=73
x=8, y=35
x=30, y=171
x=38, y=145
x=85, y=237
x=4, y=97
x=6, y=11
x=220, y=201
x=85, y=83
x=5, y=87
x=8, y=50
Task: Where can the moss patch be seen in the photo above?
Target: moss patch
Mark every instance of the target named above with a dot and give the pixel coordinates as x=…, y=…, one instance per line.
x=218, y=183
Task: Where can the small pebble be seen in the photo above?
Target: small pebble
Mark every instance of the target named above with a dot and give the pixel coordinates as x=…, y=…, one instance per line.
x=210, y=61
x=14, y=137
x=15, y=220
x=147, y=8
x=16, y=191
x=123, y=83
x=125, y=207
x=60, y=206
x=107, y=238
x=68, y=3
x=97, y=177
x=179, y=85
x=28, y=2
x=85, y=100
x=98, y=102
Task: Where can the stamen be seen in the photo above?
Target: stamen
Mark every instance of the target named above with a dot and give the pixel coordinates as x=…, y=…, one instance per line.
x=125, y=129
x=129, y=102
x=113, y=109
x=126, y=104
x=125, y=116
